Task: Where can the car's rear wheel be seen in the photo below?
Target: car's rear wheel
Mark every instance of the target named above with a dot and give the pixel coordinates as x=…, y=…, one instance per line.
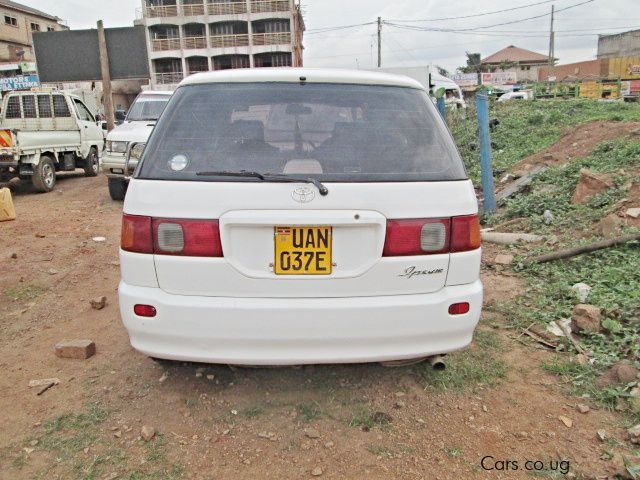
x=92, y=163
x=44, y=175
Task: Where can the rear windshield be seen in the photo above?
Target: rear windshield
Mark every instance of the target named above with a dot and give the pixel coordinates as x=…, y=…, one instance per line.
x=147, y=107
x=332, y=132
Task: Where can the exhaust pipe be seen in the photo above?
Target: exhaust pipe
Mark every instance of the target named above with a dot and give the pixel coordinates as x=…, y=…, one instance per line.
x=437, y=362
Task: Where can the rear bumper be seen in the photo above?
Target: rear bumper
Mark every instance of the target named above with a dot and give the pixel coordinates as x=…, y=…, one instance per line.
x=289, y=331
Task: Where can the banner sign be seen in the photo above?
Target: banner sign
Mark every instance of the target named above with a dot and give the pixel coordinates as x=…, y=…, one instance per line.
x=499, y=78
x=465, y=79
x=20, y=82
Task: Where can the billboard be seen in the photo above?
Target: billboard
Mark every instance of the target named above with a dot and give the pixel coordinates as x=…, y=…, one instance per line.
x=499, y=78
x=74, y=56
x=19, y=82
x=465, y=79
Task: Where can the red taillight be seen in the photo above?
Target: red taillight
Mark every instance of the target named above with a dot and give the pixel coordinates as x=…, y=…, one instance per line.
x=459, y=308
x=165, y=236
x=191, y=238
x=416, y=237
x=144, y=310
x=433, y=235
x=136, y=234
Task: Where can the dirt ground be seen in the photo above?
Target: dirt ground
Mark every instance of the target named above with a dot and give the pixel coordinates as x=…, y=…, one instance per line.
x=576, y=142
x=215, y=422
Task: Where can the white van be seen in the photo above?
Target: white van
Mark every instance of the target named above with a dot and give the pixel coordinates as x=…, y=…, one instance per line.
x=293, y=216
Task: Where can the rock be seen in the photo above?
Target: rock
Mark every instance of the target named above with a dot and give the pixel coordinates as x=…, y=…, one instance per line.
x=590, y=184
x=610, y=225
x=53, y=271
x=602, y=435
x=163, y=378
x=381, y=417
x=14, y=256
x=574, y=144
x=316, y=472
x=583, y=408
x=147, y=432
x=507, y=178
x=28, y=450
x=585, y=318
x=328, y=445
x=547, y=156
x=399, y=394
x=267, y=435
x=35, y=442
x=634, y=434
x=566, y=420
x=625, y=372
x=98, y=303
x=312, y=433
x=503, y=259
x=400, y=404
x=77, y=349
x=582, y=291
x=634, y=400
x=117, y=434
x=547, y=216
x=440, y=403
x=99, y=239
x=43, y=381
x=631, y=212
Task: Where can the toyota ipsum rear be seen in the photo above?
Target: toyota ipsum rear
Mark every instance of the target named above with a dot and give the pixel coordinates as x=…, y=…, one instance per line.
x=293, y=216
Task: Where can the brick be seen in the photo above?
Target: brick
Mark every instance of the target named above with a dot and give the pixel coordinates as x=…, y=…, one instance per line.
x=78, y=349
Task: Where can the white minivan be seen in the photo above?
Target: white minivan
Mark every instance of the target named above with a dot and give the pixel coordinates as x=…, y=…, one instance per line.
x=297, y=216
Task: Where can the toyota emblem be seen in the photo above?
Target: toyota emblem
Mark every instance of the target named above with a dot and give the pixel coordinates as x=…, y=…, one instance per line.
x=303, y=194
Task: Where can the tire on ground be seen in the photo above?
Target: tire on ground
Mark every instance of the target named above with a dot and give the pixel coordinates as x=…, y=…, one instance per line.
x=92, y=163
x=117, y=188
x=44, y=175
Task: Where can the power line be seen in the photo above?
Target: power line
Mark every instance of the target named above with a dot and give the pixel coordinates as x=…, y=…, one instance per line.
x=332, y=29
x=476, y=14
x=469, y=29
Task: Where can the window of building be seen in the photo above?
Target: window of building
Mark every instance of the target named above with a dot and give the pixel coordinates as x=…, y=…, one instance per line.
x=44, y=106
x=13, y=21
x=276, y=59
x=35, y=27
x=29, y=106
x=13, y=107
x=60, y=107
x=51, y=29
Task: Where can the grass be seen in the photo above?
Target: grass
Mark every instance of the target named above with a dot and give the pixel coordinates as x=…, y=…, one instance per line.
x=453, y=451
x=528, y=127
x=23, y=293
x=379, y=451
x=612, y=273
x=469, y=367
x=368, y=419
x=253, y=412
x=67, y=435
x=309, y=412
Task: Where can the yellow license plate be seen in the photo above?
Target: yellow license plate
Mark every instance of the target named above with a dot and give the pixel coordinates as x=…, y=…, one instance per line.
x=302, y=250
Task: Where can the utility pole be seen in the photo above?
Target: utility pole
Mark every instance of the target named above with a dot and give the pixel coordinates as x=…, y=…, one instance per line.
x=107, y=99
x=551, y=43
x=379, y=42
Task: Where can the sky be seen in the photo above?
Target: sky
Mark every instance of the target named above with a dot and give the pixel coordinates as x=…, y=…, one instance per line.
x=576, y=37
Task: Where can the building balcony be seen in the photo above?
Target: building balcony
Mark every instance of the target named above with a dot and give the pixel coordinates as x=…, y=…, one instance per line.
x=223, y=41
x=162, y=44
x=281, y=38
x=262, y=6
x=193, y=9
x=226, y=8
x=153, y=11
x=189, y=43
x=169, y=78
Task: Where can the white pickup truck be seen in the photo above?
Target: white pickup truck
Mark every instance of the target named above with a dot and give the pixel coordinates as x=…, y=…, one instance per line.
x=47, y=131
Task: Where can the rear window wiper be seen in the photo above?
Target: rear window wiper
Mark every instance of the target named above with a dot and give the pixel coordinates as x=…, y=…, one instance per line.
x=269, y=177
